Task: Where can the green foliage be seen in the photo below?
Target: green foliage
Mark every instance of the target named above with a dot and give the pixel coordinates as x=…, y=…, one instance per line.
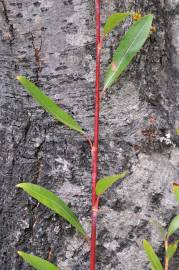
x=176, y=191
x=171, y=250
x=53, y=202
x=114, y=20
x=106, y=182
x=127, y=49
x=131, y=44
x=49, y=105
x=37, y=262
x=174, y=226
x=177, y=131
x=153, y=258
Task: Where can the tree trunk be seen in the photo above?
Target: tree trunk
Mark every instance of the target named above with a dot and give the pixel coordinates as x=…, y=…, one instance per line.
x=138, y=126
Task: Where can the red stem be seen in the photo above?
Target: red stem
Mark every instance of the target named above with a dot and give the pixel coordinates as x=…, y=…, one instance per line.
x=95, y=200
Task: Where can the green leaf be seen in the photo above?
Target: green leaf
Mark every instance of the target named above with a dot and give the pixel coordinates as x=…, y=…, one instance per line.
x=153, y=258
x=114, y=20
x=171, y=250
x=159, y=228
x=106, y=182
x=177, y=131
x=37, y=262
x=128, y=48
x=174, y=225
x=49, y=105
x=53, y=202
x=176, y=191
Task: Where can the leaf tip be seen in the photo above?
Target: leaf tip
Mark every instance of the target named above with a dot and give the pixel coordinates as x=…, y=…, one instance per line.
x=144, y=241
x=126, y=173
x=20, y=185
x=18, y=78
x=82, y=131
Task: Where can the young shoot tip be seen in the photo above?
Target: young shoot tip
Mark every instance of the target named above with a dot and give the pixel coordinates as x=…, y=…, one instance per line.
x=136, y=16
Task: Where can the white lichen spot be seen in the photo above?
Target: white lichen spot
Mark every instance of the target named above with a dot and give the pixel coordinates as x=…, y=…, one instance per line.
x=167, y=139
x=61, y=164
x=64, y=163
x=70, y=191
x=111, y=245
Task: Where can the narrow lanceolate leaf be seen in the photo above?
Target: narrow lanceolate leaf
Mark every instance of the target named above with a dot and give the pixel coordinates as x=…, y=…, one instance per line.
x=171, y=250
x=53, y=202
x=174, y=225
x=106, y=182
x=153, y=258
x=176, y=191
x=49, y=105
x=37, y=262
x=133, y=41
x=114, y=20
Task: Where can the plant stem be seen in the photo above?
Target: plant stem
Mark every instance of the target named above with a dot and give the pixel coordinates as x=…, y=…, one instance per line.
x=95, y=200
x=166, y=258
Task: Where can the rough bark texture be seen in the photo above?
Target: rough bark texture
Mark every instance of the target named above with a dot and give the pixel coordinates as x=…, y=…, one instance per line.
x=138, y=122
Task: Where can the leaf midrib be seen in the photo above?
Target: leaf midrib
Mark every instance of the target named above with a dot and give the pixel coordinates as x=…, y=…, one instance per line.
x=56, y=114
x=78, y=225
x=111, y=78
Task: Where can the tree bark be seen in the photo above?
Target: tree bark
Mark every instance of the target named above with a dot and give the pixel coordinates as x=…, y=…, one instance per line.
x=139, y=117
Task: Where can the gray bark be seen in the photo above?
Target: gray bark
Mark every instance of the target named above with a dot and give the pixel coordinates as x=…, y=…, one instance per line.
x=138, y=121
